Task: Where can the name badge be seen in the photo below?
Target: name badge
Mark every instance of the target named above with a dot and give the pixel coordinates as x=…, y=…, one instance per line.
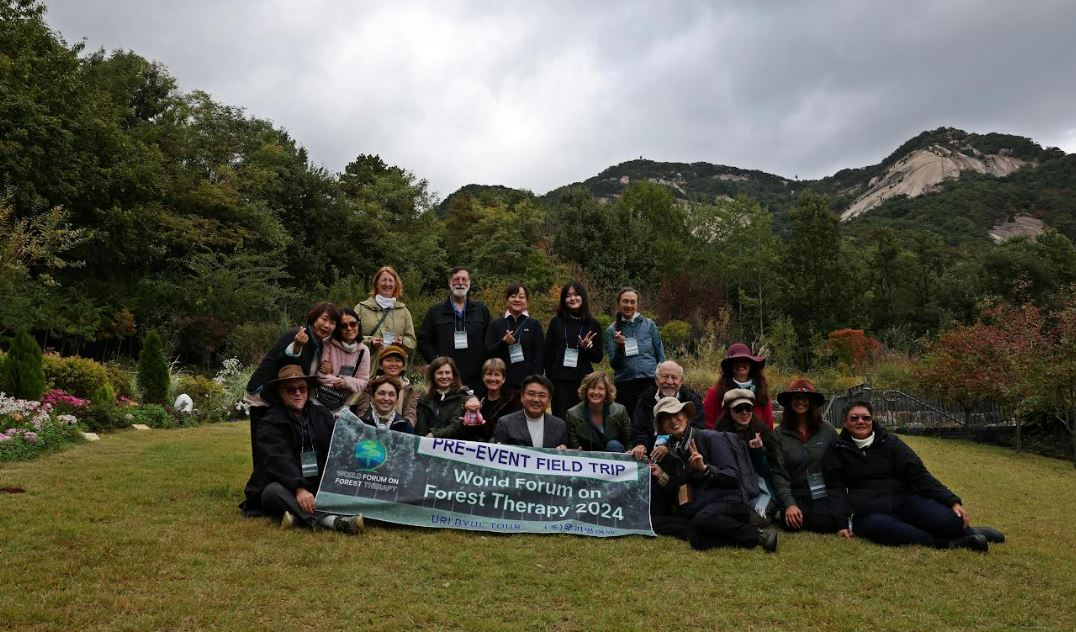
x=459, y=339
x=571, y=357
x=631, y=346
x=817, y=483
x=310, y=464
x=515, y=352
x=388, y=338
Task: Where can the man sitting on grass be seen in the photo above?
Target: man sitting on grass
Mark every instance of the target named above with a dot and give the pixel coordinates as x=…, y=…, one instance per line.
x=293, y=443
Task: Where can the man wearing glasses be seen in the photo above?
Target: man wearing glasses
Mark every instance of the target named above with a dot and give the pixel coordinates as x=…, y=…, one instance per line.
x=533, y=426
x=294, y=439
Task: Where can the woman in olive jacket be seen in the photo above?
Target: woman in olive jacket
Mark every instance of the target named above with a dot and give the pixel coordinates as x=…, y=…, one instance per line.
x=384, y=319
x=441, y=409
x=598, y=423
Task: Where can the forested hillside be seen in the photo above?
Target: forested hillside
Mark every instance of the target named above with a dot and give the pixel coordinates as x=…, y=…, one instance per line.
x=128, y=203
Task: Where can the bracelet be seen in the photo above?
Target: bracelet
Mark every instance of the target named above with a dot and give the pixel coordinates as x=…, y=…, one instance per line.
x=663, y=480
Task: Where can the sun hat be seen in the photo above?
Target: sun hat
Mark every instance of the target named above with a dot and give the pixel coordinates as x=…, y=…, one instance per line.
x=736, y=396
x=800, y=386
x=391, y=350
x=740, y=351
x=291, y=373
x=671, y=406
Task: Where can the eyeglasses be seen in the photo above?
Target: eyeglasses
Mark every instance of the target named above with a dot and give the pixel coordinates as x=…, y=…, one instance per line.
x=295, y=389
x=860, y=417
x=743, y=408
x=537, y=394
x=350, y=324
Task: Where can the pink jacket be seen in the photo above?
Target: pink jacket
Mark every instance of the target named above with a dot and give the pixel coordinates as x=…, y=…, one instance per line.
x=335, y=355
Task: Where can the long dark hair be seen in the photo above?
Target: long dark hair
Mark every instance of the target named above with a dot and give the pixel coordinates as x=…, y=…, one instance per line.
x=762, y=389
x=726, y=423
x=584, y=309
x=814, y=416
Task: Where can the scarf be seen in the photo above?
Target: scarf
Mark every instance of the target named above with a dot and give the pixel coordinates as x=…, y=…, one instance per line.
x=385, y=302
x=348, y=347
x=749, y=384
x=863, y=444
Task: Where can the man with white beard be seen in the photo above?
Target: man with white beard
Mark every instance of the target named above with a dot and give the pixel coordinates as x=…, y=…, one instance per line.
x=457, y=328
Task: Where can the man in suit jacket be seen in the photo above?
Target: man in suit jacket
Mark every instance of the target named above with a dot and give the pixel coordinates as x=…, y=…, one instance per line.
x=533, y=426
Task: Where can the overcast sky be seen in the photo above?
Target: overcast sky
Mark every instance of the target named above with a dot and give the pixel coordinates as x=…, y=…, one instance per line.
x=539, y=94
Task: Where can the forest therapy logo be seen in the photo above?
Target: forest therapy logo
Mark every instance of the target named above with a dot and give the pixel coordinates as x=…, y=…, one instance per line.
x=370, y=455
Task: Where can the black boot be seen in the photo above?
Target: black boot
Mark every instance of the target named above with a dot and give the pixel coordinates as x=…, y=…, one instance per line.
x=767, y=539
x=970, y=541
x=990, y=533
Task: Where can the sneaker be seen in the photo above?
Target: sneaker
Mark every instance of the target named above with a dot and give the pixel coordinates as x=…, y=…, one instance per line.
x=972, y=541
x=349, y=524
x=767, y=539
x=288, y=521
x=990, y=533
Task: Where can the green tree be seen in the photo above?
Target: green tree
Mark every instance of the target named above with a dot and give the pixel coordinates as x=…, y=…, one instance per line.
x=23, y=375
x=153, y=379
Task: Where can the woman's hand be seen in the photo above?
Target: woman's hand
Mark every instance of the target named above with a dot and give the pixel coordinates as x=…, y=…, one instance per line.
x=301, y=338
x=655, y=470
x=305, y=500
x=618, y=338
x=325, y=367
x=793, y=517
x=659, y=452
x=756, y=442
x=508, y=338
x=958, y=509
x=587, y=341
x=340, y=383
x=695, y=460
x=638, y=452
x=376, y=342
x=846, y=534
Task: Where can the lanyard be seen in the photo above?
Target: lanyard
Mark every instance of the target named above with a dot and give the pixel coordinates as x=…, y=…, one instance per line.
x=578, y=335
x=522, y=322
x=458, y=317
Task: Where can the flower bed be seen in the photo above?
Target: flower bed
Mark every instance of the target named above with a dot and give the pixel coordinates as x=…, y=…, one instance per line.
x=29, y=429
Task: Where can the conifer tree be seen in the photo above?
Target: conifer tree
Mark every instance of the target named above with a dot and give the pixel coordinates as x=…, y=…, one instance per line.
x=22, y=373
x=153, y=380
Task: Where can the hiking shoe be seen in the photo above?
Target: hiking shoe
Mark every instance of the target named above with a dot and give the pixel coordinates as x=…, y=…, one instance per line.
x=767, y=539
x=288, y=521
x=349, y=524
x=990, y=533
x=971, y=541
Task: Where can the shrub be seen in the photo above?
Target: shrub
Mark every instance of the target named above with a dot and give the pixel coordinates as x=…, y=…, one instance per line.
x=22, y=374
x=81, y=377
x=233, y=378
x=122, y=379
x=676, y=334
x=103, y=413
x=210, y=398
x=153, y=378
x=151, y=415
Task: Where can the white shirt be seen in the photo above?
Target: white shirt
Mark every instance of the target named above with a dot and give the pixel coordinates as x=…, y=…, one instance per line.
x=863, y=444
x=537, y=429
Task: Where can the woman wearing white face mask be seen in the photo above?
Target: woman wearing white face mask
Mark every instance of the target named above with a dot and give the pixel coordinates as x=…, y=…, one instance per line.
x=385, y=319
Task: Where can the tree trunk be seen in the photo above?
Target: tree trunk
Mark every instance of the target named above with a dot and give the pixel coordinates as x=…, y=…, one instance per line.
x=1019, y=438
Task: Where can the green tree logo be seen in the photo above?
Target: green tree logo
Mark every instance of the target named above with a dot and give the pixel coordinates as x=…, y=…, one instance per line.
x=369, y=455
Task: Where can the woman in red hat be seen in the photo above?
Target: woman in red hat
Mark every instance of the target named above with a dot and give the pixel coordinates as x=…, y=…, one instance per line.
x=739, y=369
x=803, y=437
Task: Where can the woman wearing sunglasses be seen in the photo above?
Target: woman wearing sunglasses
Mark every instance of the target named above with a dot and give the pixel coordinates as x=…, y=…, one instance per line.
x=891, y=497
x=738, y=417
x=345, y=364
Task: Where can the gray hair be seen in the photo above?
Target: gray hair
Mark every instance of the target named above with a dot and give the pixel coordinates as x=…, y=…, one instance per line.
x=657, y=371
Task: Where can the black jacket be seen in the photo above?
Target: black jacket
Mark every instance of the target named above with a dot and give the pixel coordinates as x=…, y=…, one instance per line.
x=401, y=424
x=308, y=359
x=726, y=478
x=441, y=417
x=529, y=334
x=436, y=338
x=279, y=446
x=870, y=480
x=642, y=420
x=769, y=460
x=566, y=332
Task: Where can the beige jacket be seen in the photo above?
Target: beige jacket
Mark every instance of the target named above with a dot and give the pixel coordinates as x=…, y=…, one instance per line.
x=398, y=322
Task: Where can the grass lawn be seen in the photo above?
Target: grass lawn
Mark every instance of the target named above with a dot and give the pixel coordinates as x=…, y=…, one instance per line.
x=140, y=531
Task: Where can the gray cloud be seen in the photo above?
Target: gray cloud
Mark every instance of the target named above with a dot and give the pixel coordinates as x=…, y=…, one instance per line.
x=535, y=95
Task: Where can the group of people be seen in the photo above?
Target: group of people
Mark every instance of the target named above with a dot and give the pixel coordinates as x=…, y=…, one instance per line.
x=721, y=474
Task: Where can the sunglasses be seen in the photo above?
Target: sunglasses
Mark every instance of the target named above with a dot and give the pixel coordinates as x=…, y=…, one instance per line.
x=858, y=417
x=743, y=408
x=295, y=389
x=349, y=325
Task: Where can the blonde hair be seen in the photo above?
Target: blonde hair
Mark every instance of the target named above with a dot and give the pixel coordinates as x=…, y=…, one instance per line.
x=495, y=365
x=377, y=275
x=594, y=378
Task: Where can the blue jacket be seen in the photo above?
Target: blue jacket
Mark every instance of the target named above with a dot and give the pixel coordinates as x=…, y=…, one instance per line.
x=651, y=351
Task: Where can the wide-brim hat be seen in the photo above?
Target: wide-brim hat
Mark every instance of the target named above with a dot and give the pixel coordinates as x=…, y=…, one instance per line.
x=800, y=386
x=291, y=373
x=671, y=406
x=736, y=396
x=392, y=350
x=740, y=351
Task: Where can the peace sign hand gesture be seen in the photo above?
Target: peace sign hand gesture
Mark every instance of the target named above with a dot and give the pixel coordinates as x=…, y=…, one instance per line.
x=587, y=341
x=695, y=460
